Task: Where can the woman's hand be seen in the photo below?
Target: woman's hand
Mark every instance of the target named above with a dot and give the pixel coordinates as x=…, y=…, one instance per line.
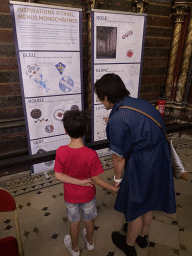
x=106, y=119
x=116, y=184
x=87, y=182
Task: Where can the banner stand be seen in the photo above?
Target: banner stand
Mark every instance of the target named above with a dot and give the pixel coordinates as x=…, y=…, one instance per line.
x=48, y=41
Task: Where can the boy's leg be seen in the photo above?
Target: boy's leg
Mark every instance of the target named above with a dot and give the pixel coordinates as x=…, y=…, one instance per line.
x=90, y=230
x=89, y=212
x=74, y=233
x=71, y=242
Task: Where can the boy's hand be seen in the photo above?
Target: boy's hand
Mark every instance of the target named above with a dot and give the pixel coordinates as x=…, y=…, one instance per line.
x=116, y=189
x=87, y=182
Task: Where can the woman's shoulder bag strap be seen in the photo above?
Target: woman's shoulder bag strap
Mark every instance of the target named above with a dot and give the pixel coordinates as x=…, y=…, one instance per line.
x=147, y=116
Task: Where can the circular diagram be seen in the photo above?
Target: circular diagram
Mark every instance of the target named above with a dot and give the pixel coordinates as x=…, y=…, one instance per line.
x=40, y=151
x=36, y=113
x=74, y=107
x=127, y=34
x=130, y=53
x=32, y=70
x=48, y=164
x=49, y=128
x=66, y=84
x=58, y=114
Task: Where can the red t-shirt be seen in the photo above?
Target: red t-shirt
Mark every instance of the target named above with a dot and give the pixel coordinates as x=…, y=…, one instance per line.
x=80, y=163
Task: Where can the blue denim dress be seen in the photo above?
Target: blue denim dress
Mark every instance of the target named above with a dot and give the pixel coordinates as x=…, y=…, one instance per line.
x=147, y=183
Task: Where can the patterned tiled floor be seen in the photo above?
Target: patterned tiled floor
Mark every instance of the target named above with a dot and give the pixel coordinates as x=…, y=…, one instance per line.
x=43, y=218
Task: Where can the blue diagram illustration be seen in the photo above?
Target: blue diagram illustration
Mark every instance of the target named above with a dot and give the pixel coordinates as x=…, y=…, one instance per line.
x=42, y=84
x=60, y=67
x=66, y=84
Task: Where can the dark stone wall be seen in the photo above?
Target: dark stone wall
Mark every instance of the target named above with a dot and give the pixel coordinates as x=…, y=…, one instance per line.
x=159, y=30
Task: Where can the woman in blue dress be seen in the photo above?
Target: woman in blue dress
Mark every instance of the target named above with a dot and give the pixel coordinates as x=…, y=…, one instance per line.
x=141, y=159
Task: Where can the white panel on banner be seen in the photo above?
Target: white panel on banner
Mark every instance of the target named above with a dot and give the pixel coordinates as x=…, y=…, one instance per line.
x=40, y=28
x=45, y=114
x=50, y=73
x=48, y=47
x=129, y=73
x=45, y=145
x=117, y=48
x=99, y=122
x=118, y=38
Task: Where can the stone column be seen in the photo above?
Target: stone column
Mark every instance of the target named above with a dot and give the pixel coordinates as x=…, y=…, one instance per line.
x=180, y=91
x=179, y=58
x=180, y=12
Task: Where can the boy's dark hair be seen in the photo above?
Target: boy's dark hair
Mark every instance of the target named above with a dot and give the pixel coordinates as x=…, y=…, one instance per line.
x=112, y=86
x=75, y=123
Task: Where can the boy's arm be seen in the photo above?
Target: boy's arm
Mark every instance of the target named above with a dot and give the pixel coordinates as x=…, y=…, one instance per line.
x=97, y=180
x=68, y=179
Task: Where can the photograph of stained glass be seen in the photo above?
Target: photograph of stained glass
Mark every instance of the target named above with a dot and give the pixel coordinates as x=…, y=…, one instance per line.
x=106, y=42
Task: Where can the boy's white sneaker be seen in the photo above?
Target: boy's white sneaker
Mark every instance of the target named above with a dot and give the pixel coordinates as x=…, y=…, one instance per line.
x=90, y=247
x=68, y=244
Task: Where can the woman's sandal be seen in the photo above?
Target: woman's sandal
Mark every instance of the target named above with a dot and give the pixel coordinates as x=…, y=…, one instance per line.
x=141, y=241
x=120, y=241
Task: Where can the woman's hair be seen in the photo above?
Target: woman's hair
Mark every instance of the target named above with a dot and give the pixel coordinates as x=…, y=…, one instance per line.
x=75, y=123
x=112, y=86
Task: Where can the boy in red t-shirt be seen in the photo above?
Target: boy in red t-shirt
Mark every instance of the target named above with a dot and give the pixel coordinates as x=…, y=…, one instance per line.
x=78, y=167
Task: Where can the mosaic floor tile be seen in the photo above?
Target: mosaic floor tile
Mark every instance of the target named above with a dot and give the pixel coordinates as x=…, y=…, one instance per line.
x=183, y=187
x=165, y=234
x=95, y=252
x=58, y=249
x=184, y=212
x=119, y=252
x=43, y=200
x=140, y=251
x=58, y=206
x=167, y=218
x=100, y=194
x=29, y=217
x=109, y=219
x=103, y=241
x=44, y=221
x=53, y=224
x=38, y=245
x=109, y=200
x=185, y=238
x=162, y=250
x=184, y=253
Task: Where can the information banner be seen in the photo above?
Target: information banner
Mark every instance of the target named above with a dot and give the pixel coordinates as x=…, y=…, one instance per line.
x=117, y=47
x=48, y=43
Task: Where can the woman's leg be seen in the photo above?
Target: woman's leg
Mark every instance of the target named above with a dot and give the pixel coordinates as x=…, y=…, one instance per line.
x=138, y=226
x=133, y=230
x=147, y=219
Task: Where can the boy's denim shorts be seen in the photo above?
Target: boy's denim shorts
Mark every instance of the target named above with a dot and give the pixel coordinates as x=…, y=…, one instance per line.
x=89, y=211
